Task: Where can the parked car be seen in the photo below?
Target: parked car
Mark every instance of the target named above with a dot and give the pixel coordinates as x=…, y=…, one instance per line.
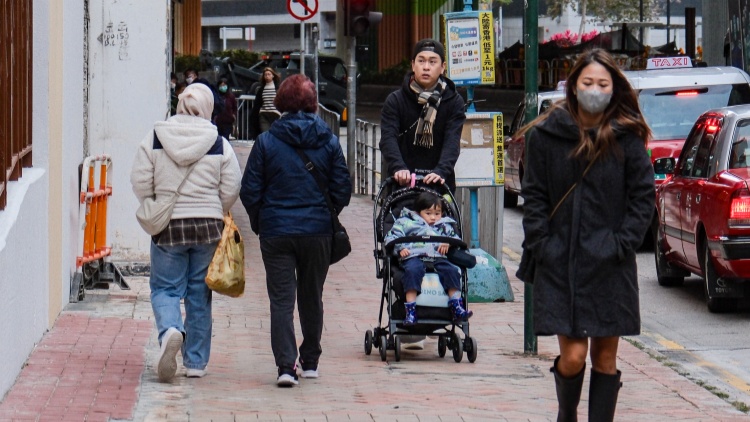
x=515, y=146
x=703, y=208
x=670, y=99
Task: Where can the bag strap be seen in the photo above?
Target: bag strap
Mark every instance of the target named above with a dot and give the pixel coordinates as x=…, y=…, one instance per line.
x=321, y=185
x=552, y=214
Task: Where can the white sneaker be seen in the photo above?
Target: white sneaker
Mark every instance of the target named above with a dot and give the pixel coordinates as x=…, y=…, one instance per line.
x=171, y=343
x=195, y=373
x=310, y=373
x=287, y=380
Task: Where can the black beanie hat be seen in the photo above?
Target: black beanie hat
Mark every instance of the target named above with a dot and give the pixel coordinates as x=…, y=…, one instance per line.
x=429, y=44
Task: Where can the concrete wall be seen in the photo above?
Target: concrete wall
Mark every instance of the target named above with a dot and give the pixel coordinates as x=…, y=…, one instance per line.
x=89, y=98
x=128, y=92
x=24, y=250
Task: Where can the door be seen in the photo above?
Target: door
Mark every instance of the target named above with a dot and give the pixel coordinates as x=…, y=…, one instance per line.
x=672, y=195
x=693, y=190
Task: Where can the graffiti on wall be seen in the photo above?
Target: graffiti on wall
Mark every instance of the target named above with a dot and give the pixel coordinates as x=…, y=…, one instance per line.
x=117, y=38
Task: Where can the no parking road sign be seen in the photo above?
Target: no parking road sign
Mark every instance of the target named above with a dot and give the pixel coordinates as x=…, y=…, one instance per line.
x=302, y=9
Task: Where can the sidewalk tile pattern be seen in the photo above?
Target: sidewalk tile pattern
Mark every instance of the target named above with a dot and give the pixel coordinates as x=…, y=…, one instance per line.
x=97, y=362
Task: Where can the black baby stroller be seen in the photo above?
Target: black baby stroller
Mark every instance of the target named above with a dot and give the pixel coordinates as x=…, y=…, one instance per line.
x=435, y=318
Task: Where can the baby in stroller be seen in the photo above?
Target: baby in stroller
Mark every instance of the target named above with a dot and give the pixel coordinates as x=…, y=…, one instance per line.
x=426, y=219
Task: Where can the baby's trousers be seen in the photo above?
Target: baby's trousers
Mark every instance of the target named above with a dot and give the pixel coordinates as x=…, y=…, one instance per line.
x=414, y=270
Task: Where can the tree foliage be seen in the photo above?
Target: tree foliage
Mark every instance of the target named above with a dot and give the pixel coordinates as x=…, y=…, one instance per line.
x=607, y=10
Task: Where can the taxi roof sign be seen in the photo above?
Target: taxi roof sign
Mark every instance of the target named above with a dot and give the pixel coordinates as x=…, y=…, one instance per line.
x=668, y=62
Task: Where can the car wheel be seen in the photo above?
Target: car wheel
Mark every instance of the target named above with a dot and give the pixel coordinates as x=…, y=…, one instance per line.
x=510, y=199
x=715, y=304
x=663, y=273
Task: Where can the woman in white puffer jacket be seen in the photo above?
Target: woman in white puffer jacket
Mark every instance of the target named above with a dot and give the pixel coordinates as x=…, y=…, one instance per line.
x=182, y=252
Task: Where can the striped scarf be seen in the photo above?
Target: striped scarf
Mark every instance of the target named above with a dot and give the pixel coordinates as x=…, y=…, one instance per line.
x=430, y=101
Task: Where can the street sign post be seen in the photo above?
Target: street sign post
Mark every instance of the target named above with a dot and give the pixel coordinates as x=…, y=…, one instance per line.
x=302, y=10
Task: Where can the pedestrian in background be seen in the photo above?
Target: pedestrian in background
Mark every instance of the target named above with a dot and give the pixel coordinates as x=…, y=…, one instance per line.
x=421, y=123
x=290, y=214
x=192, y=77
x=586, y=163
x=226, y=118
x=264, y=112
x=182, y=252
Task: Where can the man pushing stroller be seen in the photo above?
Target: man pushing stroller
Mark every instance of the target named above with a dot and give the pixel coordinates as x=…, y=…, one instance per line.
x=427, y=220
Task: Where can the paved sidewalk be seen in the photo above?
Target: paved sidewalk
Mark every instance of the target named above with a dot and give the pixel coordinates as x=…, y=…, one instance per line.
x=97, y=362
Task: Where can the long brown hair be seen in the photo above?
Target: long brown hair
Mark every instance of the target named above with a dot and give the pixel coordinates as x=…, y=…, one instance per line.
x=623, y=110
x=276, y=75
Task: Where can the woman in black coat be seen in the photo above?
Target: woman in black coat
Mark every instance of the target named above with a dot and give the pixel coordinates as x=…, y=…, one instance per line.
x=585, y=278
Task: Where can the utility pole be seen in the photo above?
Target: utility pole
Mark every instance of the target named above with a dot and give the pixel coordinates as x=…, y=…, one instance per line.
x=531, y=56
x=668, y=17
x=640, y=30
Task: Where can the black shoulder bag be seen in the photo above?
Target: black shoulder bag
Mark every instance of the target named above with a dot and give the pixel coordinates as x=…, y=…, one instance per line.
x=340, y=244
x=527, y=266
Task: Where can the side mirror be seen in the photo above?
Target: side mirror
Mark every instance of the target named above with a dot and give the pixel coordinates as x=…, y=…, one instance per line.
x=664, y=165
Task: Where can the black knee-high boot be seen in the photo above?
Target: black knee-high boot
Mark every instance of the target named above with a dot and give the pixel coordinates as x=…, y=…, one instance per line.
x=603, y=391
x=568, y=394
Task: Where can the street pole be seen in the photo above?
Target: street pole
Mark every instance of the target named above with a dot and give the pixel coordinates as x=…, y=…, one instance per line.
x=640, y=30
x=531, y=38
x=351, y=99
x=302, y=48
x=316, y=40
x=668, y=13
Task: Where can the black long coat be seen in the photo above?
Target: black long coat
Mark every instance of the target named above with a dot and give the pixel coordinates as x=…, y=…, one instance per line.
x=586, y=280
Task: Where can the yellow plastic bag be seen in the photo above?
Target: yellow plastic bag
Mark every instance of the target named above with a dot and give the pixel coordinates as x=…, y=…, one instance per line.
x=226, y=274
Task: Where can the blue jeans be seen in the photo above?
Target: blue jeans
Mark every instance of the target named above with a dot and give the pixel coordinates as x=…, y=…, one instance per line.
x=179, y=272
x=414, y=271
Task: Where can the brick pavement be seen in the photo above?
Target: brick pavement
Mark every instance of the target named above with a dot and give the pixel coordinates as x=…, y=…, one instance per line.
x=97, y=362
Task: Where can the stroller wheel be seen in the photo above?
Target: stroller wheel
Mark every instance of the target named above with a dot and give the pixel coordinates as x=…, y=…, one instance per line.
x=442, y=346
x=397, y=348
x=458, y=348
x=383, y=346
x=470, y=345
x=368, y=342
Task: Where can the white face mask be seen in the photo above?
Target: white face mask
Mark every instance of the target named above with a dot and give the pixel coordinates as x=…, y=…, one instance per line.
x=189, y=80
x=174, y=85
x=592, y=100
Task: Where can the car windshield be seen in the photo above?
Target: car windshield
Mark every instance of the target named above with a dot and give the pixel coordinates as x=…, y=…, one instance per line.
x=671, y=112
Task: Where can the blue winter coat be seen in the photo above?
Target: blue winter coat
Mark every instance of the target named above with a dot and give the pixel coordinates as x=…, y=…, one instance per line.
x=279, y=193
x=412, y=224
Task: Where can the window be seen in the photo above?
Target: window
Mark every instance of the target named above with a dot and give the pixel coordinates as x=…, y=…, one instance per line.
x=15, y=84
x=671, y=112
x=699, y=149
x=738, y=157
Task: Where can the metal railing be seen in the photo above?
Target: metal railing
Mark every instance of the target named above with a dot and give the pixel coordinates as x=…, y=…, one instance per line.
x=245, y=106
x=332, y=119
x=368, y=165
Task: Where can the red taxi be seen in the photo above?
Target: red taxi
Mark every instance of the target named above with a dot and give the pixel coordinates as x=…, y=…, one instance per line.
x=703, y=208
x=671, y=93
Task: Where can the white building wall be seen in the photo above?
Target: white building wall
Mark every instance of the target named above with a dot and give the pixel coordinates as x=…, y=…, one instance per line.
x=24, y=278
x=129, y=91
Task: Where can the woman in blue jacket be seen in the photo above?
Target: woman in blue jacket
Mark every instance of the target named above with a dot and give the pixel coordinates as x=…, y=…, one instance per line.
x=289, y=213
